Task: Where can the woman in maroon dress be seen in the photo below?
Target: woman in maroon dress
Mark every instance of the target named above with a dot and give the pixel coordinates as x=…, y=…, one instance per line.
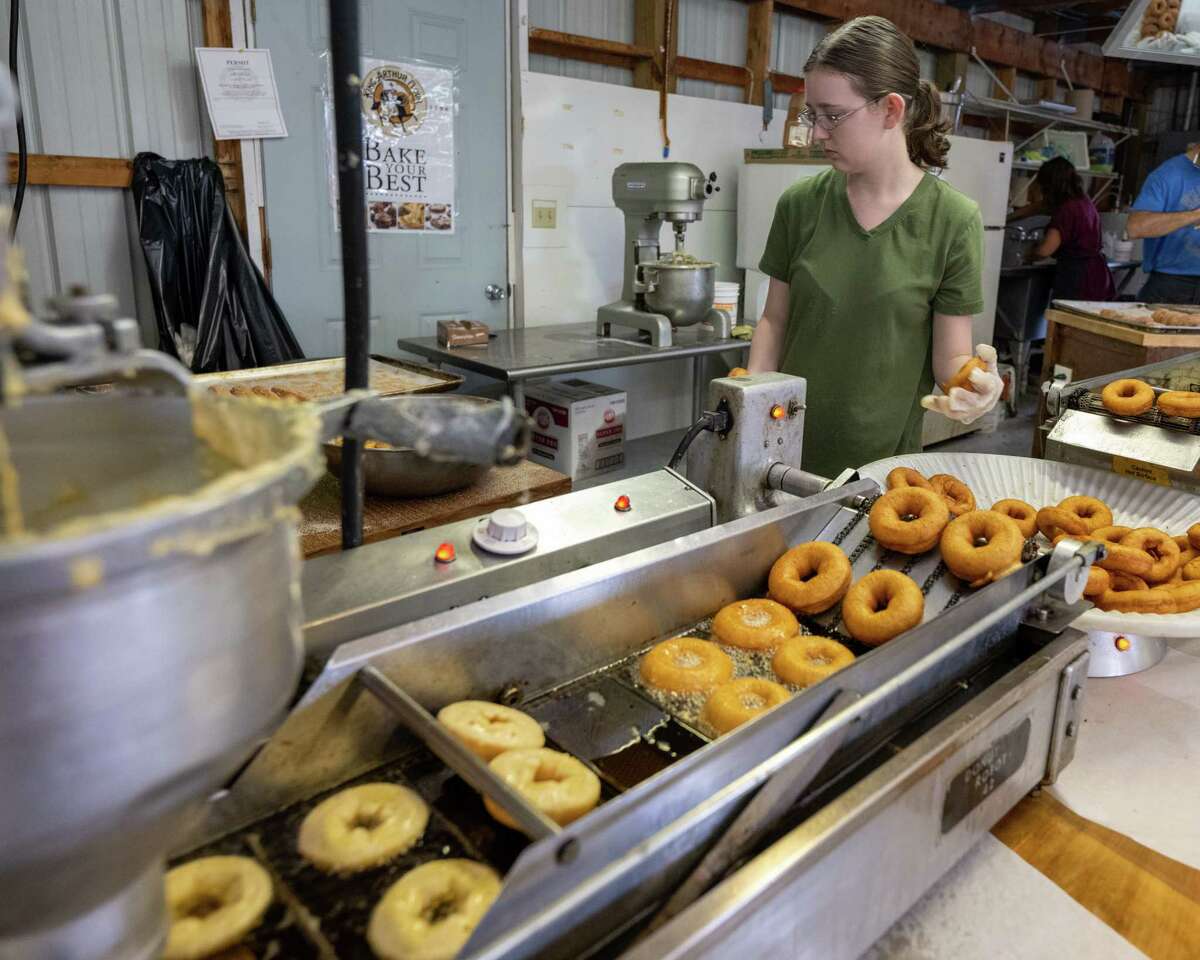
x=1073, y=236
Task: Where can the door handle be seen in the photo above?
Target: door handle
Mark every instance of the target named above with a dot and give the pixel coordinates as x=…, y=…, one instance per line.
x=493, y=291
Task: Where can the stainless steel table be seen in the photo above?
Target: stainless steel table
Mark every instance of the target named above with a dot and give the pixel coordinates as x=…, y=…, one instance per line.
x=528, y=353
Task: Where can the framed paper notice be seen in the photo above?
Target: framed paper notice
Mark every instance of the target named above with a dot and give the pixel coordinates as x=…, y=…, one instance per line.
x=239, y=88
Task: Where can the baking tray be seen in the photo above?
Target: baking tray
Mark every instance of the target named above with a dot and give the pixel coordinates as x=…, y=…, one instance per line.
x=325, y=379
x=1088, y=308
x=1041, y=483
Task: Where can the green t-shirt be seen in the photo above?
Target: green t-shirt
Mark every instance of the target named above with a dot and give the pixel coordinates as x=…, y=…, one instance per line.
x=860, y=317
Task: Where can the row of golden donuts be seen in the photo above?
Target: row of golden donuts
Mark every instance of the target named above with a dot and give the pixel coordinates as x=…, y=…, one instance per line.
x=431, y=911
x=1129, y=398
x=1146, y=570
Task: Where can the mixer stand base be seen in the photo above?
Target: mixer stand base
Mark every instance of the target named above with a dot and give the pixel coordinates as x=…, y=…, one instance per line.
x=1120, y=654
x=626, y=315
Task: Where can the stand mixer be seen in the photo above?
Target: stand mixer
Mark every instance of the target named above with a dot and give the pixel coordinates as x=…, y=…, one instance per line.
x=660, y=293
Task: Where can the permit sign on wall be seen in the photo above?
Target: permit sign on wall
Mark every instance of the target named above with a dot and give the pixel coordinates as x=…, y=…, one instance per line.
x=408, y=147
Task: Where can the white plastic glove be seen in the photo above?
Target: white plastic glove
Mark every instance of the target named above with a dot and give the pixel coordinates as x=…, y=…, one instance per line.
x=967, y=406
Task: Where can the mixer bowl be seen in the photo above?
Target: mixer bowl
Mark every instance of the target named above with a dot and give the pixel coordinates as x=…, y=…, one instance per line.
x=150, y=638
x=683, y=293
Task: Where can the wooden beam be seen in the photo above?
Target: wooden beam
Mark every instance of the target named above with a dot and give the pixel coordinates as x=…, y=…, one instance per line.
x=951, y=67
x=1007, y=77
x=612, y=53
x=218, y=32
x=758, y=46
x=786, y=83
x=725, y=73
x=1048, y=89
x=649, y=20
x=55, y=170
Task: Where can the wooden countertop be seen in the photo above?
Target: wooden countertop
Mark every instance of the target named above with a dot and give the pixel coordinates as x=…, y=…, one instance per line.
x=1114, y=331
x=384, y=517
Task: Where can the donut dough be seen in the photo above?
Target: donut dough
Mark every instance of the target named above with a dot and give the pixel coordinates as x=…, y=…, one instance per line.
x=555, y=783
x=362, y=827
x=490, y=728
x=212, y=904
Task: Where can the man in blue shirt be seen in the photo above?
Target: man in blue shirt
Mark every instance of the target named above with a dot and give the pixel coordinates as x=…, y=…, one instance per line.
x=1167, y=215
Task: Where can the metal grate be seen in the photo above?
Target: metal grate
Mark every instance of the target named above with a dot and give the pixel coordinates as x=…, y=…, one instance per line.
x=1089, y=402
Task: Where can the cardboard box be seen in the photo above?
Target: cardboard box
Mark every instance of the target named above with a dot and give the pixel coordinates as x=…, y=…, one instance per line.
x=578, y=426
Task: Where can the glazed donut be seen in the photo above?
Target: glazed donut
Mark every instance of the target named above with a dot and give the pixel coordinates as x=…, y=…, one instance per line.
x=1161, y=547
x=981, y=563
x=810, y=578
x=1128, y=397
x=1024, y=514
x=685, y=665
x=362, y=827
x=755, y=624
x=1093, y=512
x=808, y=660
x=737, y=701
x=882, y=605
x=958, y=495
x=1193, y=535
x=212, y=903
x=908, y=519
x=908, y=477
x=1180, y=403
x=962, y=379
x=555, y=783
x=489, y=728
x=1097, y=582
x=431, y=911
x=1055, y=521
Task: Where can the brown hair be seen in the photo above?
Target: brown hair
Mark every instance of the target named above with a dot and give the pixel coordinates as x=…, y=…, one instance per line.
x=1059, y=182
x=878, y=59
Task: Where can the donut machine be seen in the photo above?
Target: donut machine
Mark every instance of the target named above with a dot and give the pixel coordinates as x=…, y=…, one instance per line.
x=879, y=778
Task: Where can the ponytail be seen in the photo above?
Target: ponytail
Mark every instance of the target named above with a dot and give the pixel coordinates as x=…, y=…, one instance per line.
x=925, y=130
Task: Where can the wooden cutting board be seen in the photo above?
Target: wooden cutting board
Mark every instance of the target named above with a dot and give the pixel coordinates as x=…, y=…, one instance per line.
x=384, y=517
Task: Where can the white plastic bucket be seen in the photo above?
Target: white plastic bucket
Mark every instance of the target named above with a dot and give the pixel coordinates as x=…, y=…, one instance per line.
x=725, y=297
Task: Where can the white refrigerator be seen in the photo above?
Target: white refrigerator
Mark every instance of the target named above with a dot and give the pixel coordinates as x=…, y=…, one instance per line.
x=981, y=169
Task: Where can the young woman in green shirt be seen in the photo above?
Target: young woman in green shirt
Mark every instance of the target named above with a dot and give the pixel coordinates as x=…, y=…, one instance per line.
x=875, y=265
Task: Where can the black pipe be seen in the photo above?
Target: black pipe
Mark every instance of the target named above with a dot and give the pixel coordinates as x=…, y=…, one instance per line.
x=14, y=11
x=344, y=56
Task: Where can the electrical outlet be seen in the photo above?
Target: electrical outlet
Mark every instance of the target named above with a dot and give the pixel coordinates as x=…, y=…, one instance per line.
x=545, y=215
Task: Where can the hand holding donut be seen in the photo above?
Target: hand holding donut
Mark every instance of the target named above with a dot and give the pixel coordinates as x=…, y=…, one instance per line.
x=973, y=391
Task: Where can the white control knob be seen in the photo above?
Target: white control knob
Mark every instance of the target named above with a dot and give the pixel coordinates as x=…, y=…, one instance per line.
x=505, y=532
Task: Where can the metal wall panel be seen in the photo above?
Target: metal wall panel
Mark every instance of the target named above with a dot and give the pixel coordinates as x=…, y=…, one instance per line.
x=712, y=30
x=108, y=78
x=792, y=40
x=606, y=20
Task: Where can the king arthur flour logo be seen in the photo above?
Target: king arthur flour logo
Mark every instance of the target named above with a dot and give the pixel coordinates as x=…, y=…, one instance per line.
x=393, y=101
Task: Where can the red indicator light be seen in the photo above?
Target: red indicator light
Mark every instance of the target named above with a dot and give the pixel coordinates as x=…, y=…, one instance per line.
x=622, y=505
x=445, y=553
x=778, y=412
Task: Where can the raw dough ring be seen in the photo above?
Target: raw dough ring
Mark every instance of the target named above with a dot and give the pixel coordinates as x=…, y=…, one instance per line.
x=491, y=728
x=213, y=903
x=431, y=911
x=1162, y=549
x=1055, y=521
x=1024, y=514
x=685, y=665
x=958, y=495
x=882, y=605
x=808, y=660
x=962, y=379
x=555, y=783
x=737, y=701
x=1093, y=512
x=1128, y=397
x=362, y=827
x=755, y=624
x=977, y=563
x=908, y=519
x=908, y=477
x=810, y=578
x=1180, y=403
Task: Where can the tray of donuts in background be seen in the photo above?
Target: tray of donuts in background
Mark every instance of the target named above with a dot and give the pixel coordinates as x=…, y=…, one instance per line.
x=1159, y=317
x=1133, y=399
x=400, y=863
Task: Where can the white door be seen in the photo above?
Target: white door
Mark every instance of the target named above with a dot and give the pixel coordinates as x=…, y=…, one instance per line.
x=419, y=279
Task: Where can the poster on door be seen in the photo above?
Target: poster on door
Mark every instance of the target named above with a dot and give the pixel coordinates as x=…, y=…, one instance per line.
x=408, y=148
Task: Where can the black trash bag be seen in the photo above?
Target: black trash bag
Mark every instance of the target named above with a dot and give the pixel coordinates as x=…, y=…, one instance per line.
x=213, y=307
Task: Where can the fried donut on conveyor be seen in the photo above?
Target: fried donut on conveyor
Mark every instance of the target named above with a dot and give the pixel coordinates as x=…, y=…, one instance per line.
x=882, y=605
x=1128, y=397
x=810, y=578
x=982, y=546
x=1023, y=513
x=490, y=728
x=755, y=624
x=906, y=477
x=685, y=665
x=1094, y=513
x=362, y=827
x=213, y=902
x=958, y=495
x=555, y=783
x=1163, y=550
x=808, y=660
x=1180, y=403
x=431, y=911
x=736, y=702
x=908, y=519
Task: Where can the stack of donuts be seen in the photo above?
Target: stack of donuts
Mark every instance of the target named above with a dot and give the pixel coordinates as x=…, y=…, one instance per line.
x=1161, y=16
x=1130, y=398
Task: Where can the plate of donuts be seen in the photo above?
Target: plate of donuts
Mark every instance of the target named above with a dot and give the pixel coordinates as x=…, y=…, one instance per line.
x=1047, y=484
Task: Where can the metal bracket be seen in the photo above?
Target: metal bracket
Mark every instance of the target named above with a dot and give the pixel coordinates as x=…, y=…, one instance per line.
x=1068, y=716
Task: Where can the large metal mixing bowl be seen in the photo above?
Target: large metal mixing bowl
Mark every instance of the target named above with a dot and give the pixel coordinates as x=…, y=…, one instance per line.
x=683, y=293
x=150, y=637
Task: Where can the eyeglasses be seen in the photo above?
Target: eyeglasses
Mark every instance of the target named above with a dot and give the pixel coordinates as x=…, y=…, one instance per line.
x=830, y=121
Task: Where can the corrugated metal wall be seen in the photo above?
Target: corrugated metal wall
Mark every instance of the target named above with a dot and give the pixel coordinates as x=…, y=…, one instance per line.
x=712, y=30
x=607, y=20
x=104, y=78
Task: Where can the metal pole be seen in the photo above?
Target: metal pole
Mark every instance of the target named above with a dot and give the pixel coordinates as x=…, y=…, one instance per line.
x=1191, y=103
x=344, y=49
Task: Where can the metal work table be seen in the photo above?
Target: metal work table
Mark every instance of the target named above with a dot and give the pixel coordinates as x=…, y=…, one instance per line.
x=528, y=353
